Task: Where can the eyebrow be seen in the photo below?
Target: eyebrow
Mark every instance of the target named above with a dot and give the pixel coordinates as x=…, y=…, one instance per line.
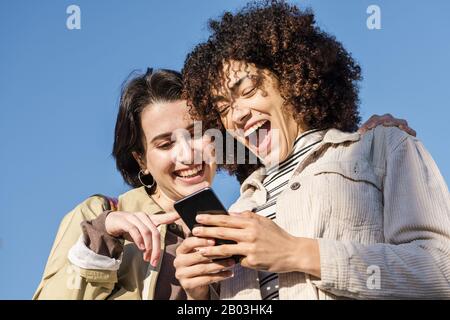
x=238, y=83
x=233, y=88
x=169, y=134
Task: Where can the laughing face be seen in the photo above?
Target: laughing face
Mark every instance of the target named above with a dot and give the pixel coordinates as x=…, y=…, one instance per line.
x=251, y=109
x=175, y=156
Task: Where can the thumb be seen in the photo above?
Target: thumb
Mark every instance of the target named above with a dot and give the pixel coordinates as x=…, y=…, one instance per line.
x=362, y=130
x=165, y=218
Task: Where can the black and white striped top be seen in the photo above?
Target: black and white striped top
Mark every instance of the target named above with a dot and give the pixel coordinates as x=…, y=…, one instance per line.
x=275, y=181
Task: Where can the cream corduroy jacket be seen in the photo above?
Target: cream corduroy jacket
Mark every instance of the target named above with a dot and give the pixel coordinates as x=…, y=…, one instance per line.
x=380, y=210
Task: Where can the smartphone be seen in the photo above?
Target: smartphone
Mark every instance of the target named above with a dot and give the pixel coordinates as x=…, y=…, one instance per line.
x=203, y=201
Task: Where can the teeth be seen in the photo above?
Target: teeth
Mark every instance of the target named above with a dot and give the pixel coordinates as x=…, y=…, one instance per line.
x=255, y=127
x=189, y=172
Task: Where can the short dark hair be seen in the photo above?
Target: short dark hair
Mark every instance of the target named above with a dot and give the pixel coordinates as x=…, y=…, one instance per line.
x=136, y=94
x=318, y=77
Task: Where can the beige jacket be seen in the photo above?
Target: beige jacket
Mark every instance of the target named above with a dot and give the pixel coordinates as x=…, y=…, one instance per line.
x=380, y=210
x=135, y=279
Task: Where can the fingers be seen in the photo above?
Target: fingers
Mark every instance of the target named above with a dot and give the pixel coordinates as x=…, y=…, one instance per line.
x=222, y=220
x=141, y=229
x=224, y=251
x=386, y=120
x=164, y=218
x=192, y=283
x=229, y=227
x=147, y=226
x=369, y=124
x=155, y=238
x=408, y=130
x=219, y=233
x=134, y=234
x=362, y=130
x=412, y=132
x=189, y=244
x=190, y=259
x=145, y=232
x=204, y=269
x=193, y=270
x=245, y=214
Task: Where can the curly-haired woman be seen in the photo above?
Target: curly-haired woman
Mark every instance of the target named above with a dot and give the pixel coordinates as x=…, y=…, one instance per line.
x=329, y=213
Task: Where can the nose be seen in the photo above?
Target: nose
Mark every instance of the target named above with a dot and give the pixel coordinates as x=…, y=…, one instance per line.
x=240, y=115
x=185, y=152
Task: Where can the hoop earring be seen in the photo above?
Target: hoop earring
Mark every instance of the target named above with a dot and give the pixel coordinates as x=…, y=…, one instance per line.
x=145, y=185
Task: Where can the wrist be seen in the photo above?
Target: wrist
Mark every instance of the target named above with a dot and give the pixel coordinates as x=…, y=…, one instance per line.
x=110, y=228
x=97, y=238
x=202, y=295
x=306, y=256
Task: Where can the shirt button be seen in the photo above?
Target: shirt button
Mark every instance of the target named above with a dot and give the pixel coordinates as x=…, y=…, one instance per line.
x=295, y=186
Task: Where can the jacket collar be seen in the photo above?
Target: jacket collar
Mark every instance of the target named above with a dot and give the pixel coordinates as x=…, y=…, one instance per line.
x=332, y=136
x=335, y=136
x=254, y=180
x=138, y=200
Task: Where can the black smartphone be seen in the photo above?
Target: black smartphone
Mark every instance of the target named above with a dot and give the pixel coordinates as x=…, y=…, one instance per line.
x=203, y=201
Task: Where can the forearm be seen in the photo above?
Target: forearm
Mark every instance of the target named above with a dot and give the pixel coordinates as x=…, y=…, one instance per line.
x=378, y=271
x=97, y=238
x=385, y=271
x=305, y=256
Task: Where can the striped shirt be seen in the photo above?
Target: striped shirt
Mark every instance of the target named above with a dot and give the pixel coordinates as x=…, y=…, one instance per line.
x=275, y=181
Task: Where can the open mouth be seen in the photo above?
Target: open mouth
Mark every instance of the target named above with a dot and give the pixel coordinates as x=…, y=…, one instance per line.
x=258, y=137
x=191, y=175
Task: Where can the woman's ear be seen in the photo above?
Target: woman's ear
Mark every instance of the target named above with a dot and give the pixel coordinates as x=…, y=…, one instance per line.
x=139, y=160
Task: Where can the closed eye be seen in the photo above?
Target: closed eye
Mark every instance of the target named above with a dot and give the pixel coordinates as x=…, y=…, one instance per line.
x=248, y=92
x=166, y=146
x=223, y=109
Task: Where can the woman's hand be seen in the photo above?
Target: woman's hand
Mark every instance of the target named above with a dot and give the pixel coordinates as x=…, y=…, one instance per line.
x=386, y=120
x=264, y=245
x=141, y=229
x=195, y=272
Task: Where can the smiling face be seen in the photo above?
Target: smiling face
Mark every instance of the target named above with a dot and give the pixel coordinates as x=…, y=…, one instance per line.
x=174, y=156
x=251, y=109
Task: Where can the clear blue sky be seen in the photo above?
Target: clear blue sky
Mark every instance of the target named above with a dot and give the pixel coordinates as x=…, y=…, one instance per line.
x=59, y=90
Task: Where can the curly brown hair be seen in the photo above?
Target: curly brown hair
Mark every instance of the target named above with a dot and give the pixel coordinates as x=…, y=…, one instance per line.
x=317, y=77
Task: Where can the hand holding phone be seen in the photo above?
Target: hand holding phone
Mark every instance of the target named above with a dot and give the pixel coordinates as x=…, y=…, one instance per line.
x=203, y=201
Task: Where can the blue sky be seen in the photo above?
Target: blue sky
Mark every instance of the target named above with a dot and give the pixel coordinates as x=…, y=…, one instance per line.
x=59, y=90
